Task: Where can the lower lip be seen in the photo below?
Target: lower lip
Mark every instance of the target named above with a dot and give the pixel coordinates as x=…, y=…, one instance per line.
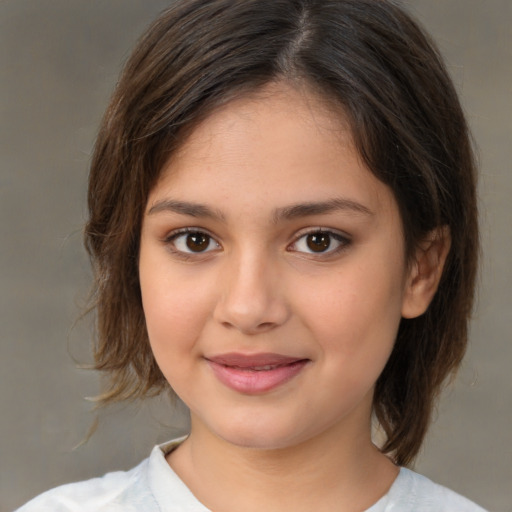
x=254, y=382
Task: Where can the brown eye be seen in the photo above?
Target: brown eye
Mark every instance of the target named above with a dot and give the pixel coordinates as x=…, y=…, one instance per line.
x=192, y=242
x=318, y=242
x=198, y=242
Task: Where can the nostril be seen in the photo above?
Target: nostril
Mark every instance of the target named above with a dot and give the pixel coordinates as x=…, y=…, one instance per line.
x=265, y=325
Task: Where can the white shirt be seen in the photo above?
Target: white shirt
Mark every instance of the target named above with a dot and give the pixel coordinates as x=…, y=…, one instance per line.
x=153, y=486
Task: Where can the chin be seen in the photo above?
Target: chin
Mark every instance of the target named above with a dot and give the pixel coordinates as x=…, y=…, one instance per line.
x=258, y=442
x=262, y=437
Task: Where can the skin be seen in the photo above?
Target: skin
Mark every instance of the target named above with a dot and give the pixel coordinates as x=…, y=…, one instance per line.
x=255, y=285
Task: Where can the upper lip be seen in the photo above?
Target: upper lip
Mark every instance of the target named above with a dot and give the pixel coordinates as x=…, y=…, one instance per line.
x=253, y=360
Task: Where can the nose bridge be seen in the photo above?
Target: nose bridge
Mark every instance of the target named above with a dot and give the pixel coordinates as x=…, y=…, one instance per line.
x=251, y=298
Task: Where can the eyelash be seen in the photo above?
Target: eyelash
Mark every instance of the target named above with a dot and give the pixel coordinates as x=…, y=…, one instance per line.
x=170, y=240
x=342, y=240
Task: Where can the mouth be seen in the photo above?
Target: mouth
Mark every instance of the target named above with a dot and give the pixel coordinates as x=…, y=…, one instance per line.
x=255, y=373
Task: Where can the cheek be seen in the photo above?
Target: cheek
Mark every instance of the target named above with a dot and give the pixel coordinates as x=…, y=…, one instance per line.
x=355, y=314
x=173, y=315
x=175, y=308
x=174, y=319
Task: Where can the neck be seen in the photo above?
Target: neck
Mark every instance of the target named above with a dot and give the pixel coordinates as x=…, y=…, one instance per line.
x=332, y=471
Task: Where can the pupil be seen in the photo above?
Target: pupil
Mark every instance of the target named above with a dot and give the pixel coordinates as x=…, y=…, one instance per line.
x=319, y=242
x=197, y=242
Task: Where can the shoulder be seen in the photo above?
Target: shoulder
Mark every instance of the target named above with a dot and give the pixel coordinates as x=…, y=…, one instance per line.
x=114, y=492
x=148, y=487
x=412, y=491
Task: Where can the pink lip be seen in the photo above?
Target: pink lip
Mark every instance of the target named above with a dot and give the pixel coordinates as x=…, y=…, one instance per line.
x=255, y=373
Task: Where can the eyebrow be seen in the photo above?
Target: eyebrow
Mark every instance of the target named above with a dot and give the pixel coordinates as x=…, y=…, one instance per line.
x=186, y=208
x=321, y=207
x=290, y=212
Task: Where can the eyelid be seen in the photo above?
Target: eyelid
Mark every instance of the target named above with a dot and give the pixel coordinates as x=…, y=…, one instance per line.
x=343, y=238
x=174, y=234
x=189, y=229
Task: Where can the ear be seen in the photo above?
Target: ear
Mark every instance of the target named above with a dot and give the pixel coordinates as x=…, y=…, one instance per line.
x=425, y=272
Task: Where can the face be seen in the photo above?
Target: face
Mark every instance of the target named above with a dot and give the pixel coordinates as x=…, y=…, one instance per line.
x=272, y=273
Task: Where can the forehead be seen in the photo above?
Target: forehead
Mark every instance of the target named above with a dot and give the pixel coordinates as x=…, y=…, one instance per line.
x=281, y=138
x=262, y=108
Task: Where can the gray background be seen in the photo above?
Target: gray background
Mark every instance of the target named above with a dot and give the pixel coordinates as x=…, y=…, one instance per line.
x=58, y=62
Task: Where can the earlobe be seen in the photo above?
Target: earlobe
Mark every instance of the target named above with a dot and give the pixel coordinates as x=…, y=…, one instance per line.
x=425, y=272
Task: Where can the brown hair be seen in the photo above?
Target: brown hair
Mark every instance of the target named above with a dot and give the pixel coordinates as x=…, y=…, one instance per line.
x=407, y=123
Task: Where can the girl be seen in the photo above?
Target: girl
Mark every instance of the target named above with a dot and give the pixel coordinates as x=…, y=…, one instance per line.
x=283, y=230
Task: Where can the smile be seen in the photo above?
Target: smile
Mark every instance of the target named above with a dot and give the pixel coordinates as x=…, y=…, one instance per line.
x=257, y=373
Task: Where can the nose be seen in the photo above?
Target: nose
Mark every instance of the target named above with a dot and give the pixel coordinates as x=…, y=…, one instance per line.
x=251, y=299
